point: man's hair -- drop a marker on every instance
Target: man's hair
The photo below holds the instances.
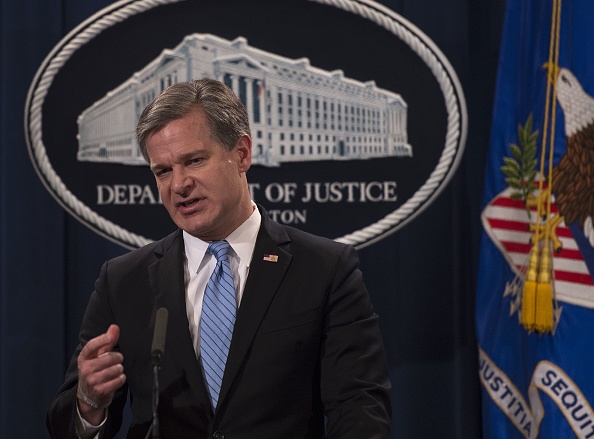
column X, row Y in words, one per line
column 226, row 116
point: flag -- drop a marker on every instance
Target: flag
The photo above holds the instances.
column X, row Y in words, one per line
column 271, row 258
column 261, row 88
column 535, row 294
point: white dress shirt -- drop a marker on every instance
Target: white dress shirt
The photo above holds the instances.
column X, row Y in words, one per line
column 199, row 265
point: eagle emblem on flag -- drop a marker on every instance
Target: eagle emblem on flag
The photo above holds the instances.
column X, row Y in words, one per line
column 543, row 223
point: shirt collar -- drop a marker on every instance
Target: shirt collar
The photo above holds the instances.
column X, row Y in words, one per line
column 242, row 241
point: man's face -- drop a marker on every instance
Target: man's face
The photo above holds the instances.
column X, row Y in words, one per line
column 202, row 185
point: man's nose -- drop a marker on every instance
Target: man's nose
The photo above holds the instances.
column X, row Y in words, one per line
column 181, row 182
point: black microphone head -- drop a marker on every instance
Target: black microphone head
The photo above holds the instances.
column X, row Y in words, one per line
column 158, row 346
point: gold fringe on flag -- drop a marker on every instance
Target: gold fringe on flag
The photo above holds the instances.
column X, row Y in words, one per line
column 543, row 318
column 528, row 312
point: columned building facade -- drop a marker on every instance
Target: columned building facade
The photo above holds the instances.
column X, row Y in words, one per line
column 297, row 112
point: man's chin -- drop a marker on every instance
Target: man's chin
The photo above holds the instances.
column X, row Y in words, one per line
column 198, row 230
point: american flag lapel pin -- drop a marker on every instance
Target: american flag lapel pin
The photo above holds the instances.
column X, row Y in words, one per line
column 271, row 258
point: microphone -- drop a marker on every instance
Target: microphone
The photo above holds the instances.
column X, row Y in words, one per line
column 157, row 349
column 158, row 346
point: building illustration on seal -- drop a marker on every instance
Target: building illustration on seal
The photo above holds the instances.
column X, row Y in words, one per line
column 297, row 112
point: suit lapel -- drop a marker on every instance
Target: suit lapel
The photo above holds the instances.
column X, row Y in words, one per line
column 167, row 280
column 262, row 283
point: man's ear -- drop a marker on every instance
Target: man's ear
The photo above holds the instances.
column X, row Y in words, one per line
column 244, row 150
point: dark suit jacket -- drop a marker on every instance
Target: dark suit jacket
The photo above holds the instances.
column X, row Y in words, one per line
column 306, row 358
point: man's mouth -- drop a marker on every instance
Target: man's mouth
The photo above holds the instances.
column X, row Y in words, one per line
column 189, row 203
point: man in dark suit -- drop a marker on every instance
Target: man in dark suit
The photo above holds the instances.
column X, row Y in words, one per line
column 305, row 359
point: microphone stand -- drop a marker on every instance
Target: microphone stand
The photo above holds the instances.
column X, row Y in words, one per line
column 154, row 430
column 155, row 426
column 157, row 349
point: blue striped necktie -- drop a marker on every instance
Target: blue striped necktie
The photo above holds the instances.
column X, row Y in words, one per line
column 218, row 317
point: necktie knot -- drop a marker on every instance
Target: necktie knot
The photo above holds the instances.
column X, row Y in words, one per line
column 220, row 250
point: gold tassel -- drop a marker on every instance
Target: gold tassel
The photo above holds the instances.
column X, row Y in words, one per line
column 528, row 313
column 544, row 294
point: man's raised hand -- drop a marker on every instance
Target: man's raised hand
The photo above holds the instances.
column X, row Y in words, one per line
column 100, row 375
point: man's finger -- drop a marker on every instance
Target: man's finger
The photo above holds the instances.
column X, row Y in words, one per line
column 113, row 333
column 104, row 375
column 101, row 344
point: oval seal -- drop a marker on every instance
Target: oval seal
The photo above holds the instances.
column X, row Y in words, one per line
column 358, row 119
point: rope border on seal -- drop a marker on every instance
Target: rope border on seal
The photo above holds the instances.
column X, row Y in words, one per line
column 456, row 121
column 384, row 17
column 73, row 41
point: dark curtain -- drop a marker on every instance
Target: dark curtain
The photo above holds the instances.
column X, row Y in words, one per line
column 422, row 278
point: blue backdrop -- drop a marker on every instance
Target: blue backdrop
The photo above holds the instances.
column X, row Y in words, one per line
column 422, row 279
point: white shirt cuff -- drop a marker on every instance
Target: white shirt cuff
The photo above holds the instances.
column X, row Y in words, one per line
column 85, row 430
